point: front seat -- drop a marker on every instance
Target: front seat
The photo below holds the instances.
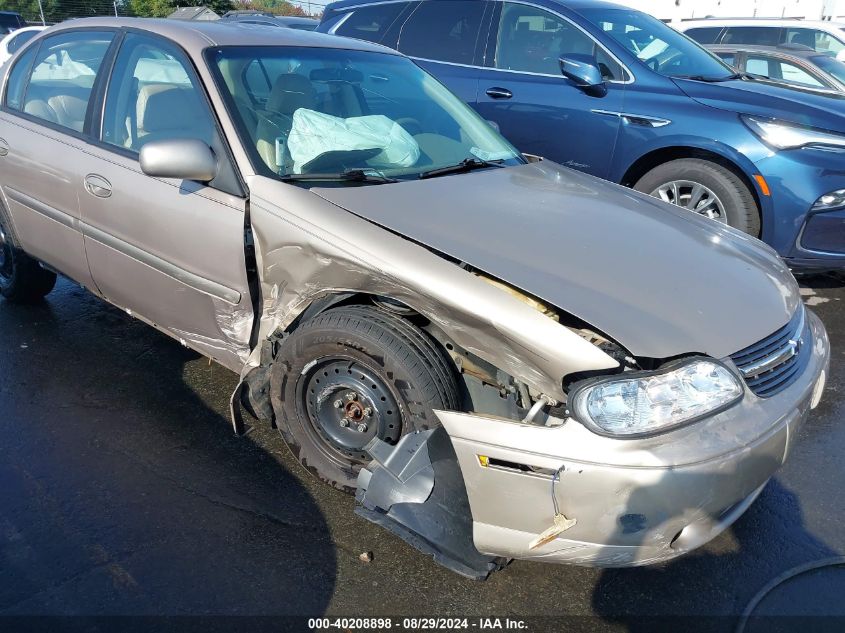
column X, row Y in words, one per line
column 166, row 111
column 290, row 92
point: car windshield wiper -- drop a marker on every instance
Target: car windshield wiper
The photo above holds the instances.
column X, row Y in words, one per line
column 350, row 175
column 467, row 164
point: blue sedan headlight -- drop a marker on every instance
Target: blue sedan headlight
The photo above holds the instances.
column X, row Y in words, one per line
column 786, row 135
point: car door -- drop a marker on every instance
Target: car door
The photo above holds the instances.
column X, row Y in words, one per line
column 445, row 39
column 42, row 135
column 170, row 251
column 536, row 108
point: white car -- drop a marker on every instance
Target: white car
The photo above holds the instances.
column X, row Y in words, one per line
column 14, row 40
column 822, row 37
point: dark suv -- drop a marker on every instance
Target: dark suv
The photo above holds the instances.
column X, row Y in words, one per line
column 11, row 21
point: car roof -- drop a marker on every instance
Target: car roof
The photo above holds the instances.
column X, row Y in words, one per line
column 773, row 22
column 570, row 4
column 196, row 36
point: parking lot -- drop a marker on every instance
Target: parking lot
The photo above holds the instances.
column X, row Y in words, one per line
column 124, row 491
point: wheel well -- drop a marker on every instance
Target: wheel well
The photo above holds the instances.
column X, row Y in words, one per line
column 658, row 157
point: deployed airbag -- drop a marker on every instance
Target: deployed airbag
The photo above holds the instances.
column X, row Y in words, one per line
column 314, row 133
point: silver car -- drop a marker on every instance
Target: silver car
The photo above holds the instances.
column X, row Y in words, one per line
column 501, row 357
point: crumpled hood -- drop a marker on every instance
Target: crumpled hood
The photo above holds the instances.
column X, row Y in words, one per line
column 659, row 280
column 765, row 99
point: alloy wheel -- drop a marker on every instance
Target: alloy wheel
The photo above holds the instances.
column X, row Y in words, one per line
column 692, row 196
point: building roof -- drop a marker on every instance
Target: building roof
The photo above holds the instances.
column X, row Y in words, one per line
column 192, row 13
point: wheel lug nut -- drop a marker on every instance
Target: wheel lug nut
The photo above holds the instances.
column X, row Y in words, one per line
column 344, row 423
column 368, row 411
column 338, row 404
column 362, row 428
column 351, row 396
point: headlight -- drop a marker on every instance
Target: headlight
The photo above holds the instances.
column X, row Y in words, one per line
column 643, row 403
column 830, row 201
column 785, row 135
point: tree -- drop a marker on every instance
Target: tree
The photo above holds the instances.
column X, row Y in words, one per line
column 276, row 7
column 151, row 8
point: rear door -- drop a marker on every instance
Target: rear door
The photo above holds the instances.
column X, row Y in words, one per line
column 447, row 39
column 171, row 251
column 42, row 137
column 536, row 108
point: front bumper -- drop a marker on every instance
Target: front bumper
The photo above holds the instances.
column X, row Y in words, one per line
column 635, row 501
column 806, row 240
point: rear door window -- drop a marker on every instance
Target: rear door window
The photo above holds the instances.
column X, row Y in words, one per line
column 705, row 35
column 443, row 31
column 756, row 35
column 782, row 71
column 371, row 22
column 63, row 73
column 819, row 41
column 728, row 58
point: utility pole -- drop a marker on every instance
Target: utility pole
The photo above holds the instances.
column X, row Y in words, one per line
column 41, row 11
column 115, row 7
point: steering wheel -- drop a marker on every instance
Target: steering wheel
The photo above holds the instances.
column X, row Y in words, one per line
column 411, row 125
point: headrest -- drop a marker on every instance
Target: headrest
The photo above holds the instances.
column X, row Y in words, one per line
column 166, row 107
column 291, row 92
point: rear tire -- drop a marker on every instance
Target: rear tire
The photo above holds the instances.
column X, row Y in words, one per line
column 22, row 279
column 351, row 374
column 725, row 190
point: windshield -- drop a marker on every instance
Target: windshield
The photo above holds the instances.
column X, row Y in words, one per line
column 830, row 65
column 658, row 46
column 330, row 111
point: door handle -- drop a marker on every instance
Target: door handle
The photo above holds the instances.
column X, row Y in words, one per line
column 499, row 93
column 97, row 186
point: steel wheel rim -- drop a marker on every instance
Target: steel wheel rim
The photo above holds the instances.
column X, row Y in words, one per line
column 338, row 389
column 694, row 197
column 6, row 262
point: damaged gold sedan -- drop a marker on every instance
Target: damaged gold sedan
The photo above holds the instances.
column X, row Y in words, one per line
column 501, row 357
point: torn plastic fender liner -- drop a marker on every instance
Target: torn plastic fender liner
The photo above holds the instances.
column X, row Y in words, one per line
column 416, row 491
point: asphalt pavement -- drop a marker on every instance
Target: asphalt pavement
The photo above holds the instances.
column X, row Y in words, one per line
column 123, row 491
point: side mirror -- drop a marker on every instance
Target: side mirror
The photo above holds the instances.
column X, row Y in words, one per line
column 182, row 158
column 584, row 72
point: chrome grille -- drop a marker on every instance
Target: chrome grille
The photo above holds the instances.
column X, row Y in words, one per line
column 775, row 362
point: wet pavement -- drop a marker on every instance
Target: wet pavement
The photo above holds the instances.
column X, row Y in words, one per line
column 124, row 491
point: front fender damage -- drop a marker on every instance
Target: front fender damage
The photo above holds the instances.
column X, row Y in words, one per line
column 320, row 250
column 307, row 249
